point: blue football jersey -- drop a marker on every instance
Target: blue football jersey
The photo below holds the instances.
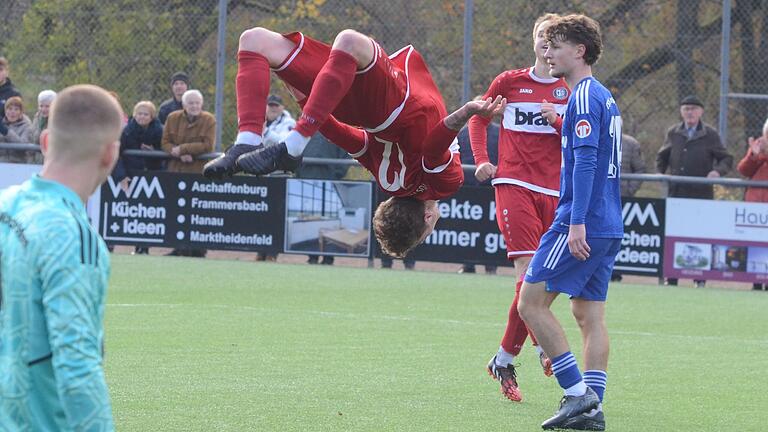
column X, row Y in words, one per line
column 592, row 119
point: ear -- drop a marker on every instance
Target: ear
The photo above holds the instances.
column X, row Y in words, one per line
column 109, row 155
column 44, row 142
column 581, row 50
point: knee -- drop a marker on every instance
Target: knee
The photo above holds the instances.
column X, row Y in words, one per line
column 525, row 309
column 253, row 39
column 352, row 42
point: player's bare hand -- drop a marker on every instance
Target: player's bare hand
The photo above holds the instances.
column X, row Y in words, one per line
column 187, row 158
column 487, row 108
column 577, row 242
column 485, row 171
column 175, row 151
column 713, row 174
column 548, row 112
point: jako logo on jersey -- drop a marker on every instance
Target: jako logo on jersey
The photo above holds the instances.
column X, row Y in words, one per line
column 583, row 129
column 526, row 91
column 137, row 187
column 609, row 102
column 560, row 93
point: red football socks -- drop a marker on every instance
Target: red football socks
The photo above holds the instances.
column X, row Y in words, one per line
column 252, row 88
column 516, row 332
column 330, row 86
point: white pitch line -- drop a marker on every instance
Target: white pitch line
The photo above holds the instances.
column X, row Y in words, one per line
column 356, row 316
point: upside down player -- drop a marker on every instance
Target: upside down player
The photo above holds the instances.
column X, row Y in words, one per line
column 526, row 181
column 405, row 137
column 576, row 256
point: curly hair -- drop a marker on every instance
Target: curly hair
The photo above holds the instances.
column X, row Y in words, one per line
column 580, row 30
column 399, row 225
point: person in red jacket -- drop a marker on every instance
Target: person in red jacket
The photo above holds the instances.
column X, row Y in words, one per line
column 754, row 166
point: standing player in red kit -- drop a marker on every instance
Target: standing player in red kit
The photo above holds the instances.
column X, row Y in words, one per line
column 526, row 181
column 385, row 111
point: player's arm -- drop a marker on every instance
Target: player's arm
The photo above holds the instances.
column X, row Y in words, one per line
column 549, row 113
column 436, row 149
column 71, row 305
column 478, row 125
column 353, row 140
column 585, row 147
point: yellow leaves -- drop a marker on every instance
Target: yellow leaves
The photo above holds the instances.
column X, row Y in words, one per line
column 308, row 8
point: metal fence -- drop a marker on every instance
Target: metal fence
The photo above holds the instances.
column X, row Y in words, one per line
column 656, row 51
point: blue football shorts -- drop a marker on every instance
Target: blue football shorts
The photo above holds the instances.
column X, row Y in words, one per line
column 553, row 263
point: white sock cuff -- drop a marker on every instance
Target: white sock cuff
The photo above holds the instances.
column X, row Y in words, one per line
column 248, row 138
column 295, row 143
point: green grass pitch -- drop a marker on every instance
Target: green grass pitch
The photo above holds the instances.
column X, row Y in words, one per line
column 204, row 345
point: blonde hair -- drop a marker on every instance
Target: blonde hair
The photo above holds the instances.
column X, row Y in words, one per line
column 83, row 119
column 541, row 19
column 148, row 105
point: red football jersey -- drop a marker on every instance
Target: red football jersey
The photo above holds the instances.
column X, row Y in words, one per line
column 529, row 147
column 412, row 153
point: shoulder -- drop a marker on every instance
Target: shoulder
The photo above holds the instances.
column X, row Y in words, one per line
column 166, row 103
column 510, row 76
column 174, row 117
column 208, row 117
column 709, row 129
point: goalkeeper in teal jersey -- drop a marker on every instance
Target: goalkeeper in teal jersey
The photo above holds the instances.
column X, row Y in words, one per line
column 53, row 275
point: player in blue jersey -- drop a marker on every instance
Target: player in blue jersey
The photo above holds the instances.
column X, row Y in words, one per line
column 53, row 275
column 575, row 257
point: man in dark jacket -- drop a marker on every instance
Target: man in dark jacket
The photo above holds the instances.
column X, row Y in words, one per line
column 7, row 89
column 179, row 85
column 693, row 148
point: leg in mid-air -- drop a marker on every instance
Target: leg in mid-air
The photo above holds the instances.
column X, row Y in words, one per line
column 260, row 50
column 351, row 52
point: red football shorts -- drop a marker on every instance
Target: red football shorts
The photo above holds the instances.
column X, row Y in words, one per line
column 523, row 217
column 376, row 91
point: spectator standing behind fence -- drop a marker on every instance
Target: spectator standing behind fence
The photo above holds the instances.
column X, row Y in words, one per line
column 143, row 132
column 278, row 123
column 631, row 162
column 320, row 147
column 754, row 166
column 465, row 151
column 179, row 85
column 188, row 134
column 16, row 128
column 40, row 120
column 692, row 148
column 7, row 89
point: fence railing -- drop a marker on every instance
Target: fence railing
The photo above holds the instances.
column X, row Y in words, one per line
column 659, row 178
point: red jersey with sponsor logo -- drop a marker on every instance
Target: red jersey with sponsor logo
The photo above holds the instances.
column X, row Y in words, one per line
column 412, row 153
column 529, row 147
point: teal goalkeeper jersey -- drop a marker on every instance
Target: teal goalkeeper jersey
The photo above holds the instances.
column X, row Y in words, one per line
column 53, row 277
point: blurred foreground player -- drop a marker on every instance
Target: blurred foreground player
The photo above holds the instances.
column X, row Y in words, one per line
column 576, row 255
column 385, row 111
column 53, row 274
column 526, row 182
